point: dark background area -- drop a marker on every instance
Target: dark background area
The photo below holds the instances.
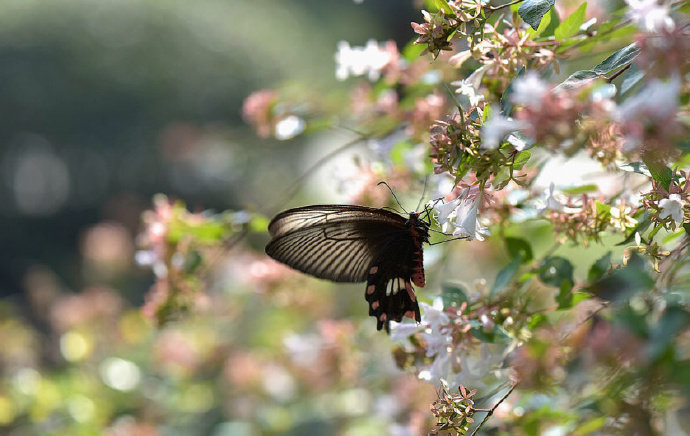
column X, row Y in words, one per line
column 105, row 104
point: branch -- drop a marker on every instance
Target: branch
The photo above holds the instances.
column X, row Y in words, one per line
column 497, row 8
column 490, row 412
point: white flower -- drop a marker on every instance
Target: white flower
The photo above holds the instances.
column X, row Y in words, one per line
column 658, row 101
column 466, row 221
column 466, row 88
column 403, row 330
column 650, row 16
column 459, row 58
column 621, row 219
column 434, row 315
column 551, row 202
column 358, row 61
column 673, row 207
column 289, row 127
column 528, row 90
column 445, row 212
column 496, row 128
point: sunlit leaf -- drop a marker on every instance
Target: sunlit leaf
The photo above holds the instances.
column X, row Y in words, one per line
column 532, row 11
column 571, row 25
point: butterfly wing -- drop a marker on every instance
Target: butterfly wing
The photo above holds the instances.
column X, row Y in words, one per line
column 333, row 242
column 389, row 289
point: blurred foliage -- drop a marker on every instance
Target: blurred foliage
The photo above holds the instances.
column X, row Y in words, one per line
column 107, row 104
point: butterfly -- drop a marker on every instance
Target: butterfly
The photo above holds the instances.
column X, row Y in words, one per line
column 345, row 243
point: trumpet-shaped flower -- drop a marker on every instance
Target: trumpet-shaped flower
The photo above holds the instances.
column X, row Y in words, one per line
column 672, row 207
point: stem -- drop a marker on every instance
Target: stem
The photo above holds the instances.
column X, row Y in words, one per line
column 490, row 412
column 618, row 73
column 497, row 8
column 292, row 188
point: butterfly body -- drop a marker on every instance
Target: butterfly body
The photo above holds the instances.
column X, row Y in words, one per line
column 345, row 243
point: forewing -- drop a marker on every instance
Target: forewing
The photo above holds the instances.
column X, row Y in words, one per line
column 324, row 215
column 336, row 243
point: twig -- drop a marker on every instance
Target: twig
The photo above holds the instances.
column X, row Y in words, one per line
column 490, row 412
column 496, row 8
column 618, row 73
column 290, row 191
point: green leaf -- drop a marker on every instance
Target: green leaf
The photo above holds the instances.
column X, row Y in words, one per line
column 556, row 269
column 496, row 335
column 660, row 172
column 412, row 51
column 618, row 59
column 664, row 332
column 554, row 22
column 599, row 268
column 505, row 275
column 506, row 104
column 398, row 152
column 577, row 79
column 532, row 11
column 518, row 247
column 545, row 24
column 621, row 284
column 590, row 426
column 581, row 189
column 631, row 78
column 258, row 224
column 453, row 295
column 565, row 294
column 636, row 167
column 580, row 296
column 571, row 25
column 536, row 320
column 602, row 209
column 642, row 225
column 193, row 261
column 632, row 320
column 443, row 5
column 521, row 159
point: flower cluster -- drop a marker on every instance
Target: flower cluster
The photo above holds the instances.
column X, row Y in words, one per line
column 176, row 245
column 454, row 412
column 262, row 111
column 444, row 345
column 669, row 207
column 619, row 129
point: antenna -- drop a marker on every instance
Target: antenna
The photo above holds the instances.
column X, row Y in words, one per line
column 394, row 196
column 426, row 181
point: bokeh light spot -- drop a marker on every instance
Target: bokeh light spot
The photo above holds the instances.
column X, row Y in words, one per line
column 81, row 408
column 120, row 374
column 74, row 346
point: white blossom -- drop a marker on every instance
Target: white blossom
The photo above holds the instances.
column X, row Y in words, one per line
column 358, row 61
column 496, row 128
column 528, row 90
column 466, row 221
column 673, row 207
column 434, row 315
column 621, row 219
column 650, row 16
column 445, row 212
column 658, row 101
column 466, row 88
column 289, row 127
column 551, row 202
